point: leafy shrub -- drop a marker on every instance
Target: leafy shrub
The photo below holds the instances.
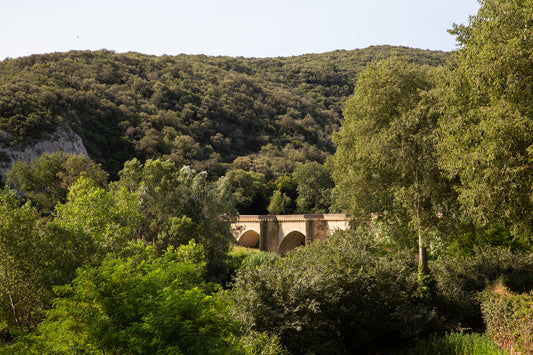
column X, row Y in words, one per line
column 469, row 236
column 335, row 296
column 509, row 318
column 242, row 257
column 261, row 258
column 256, row 343
column 461, row 279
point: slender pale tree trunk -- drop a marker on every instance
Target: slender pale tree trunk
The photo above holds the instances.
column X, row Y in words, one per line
column 422, row 256
column 422, row 251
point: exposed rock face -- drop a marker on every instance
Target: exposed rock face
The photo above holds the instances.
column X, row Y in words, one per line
column 63, row 139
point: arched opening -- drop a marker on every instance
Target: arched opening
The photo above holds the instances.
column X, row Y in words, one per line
column 249, row 239
column 292, row 240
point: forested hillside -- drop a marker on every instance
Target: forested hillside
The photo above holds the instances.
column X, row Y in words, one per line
column 196, row 110
column 430, row 162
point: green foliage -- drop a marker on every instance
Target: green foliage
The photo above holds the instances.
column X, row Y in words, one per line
column 24, row 292
column 242, row 257
column 236, row 257
column 385, row 161
column 255, row 260
column 468, row 236
column 256, row 343
column 109, row 218
column 314, row 185
column 509, row 319
column 306, row 190
column 279, row 203
column 460, row 280
column 37, row 255
column 283, row 199
column 179, row 205
column 47, row 179
column 335, row 296
column 249, row 190
column 456, row 344
column 486, row 131
column 140, row 305
column 385, row 157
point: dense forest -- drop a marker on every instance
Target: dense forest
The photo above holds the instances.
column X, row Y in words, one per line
column 130, row 251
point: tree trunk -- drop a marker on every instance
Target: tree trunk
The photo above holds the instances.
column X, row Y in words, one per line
column 422, row 257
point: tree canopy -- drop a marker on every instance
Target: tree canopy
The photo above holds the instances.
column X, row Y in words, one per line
column 487, row 132
column 385, row 164
column 130, row 307
column 179, row 205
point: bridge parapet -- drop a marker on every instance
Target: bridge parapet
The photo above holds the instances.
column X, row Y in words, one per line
column 281, row 233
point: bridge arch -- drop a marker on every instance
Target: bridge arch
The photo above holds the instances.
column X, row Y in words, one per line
column 249, row 239
column 292, row 240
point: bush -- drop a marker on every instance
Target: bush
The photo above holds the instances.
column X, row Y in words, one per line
column 258, row 259
column 255, row 343
column 509, row 318
column 335, row 296
column 461, row 279
column 470, row 235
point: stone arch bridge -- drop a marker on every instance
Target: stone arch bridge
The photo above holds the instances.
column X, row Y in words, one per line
column 281, row 233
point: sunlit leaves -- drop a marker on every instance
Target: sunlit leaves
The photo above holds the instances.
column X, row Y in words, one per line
column 144, row 304
column 487, row 130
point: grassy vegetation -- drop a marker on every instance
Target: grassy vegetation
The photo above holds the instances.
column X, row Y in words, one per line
column 455, row 344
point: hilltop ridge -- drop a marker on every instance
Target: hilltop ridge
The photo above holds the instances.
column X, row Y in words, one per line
column 193, row 109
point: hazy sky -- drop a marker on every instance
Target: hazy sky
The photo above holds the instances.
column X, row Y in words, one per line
column 249, row 28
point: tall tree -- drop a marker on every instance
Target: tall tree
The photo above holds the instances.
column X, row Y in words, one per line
column 385, row 162
column 179, row 205
column 283, row 200
column 249, row 190
column 487, row 130
column 314, row 185
column 108, row 219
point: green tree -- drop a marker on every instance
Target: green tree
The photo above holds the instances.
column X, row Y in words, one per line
column 314, row 185
column 141, row 305
column 23, row 293
column 487, row 132
column 385, row 162
column 249, row 189
column 47, row 179
column 279, row 203
column 283, row 200
column 109, row 219
column 179, row 205
column 38, row 254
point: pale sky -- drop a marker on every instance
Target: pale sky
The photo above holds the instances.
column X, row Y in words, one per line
column 249, row 28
